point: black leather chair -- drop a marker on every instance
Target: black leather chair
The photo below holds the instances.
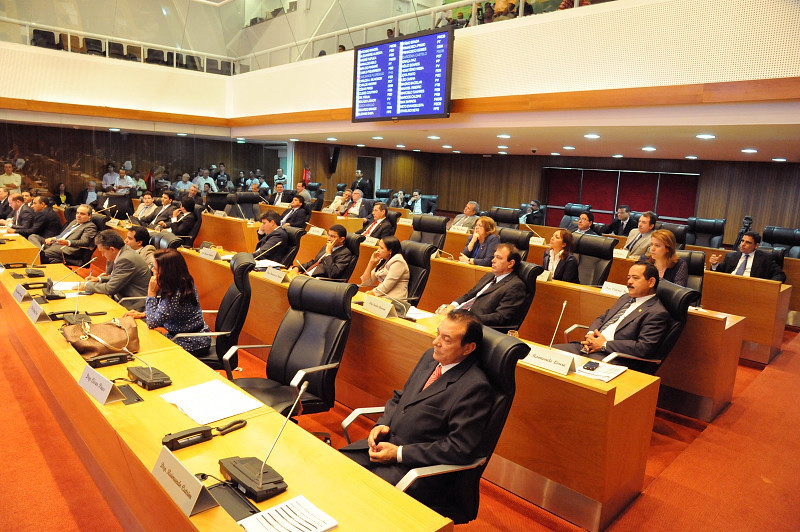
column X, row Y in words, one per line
column 429, row 229
column 120, row 206
column 505, row 217
column 165, row 240
column 571, row 213
column 782, row 237
column 188, row 240
column 79, row 259
column 295, row 234
column 777, row 255
column 319, row 200
column 497, row 356
column 94, row 46
column 308, row 346
column 313, row 188
column 706, row 232
column 45, row 39
column 521, row 239
column 340, row 187
column 155, row 56
column 434, row 199
column 678, row 230
column 116, row 50
column 353, row 242
column 595, row 255
column 528, row 272
column 243, row 205
column 217, row 200
column 230, row 316
column 696, row 260
column 384, row 195
column 418, row 258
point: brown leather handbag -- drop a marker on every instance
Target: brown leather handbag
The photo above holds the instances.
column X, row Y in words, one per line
column 118, row 335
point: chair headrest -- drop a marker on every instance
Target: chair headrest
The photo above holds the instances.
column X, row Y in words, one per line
column 241, row 264
column 248, row 197
column 353, row 242
column 528, row 272
column 696, row 260
column 575, row 209
column 496, row 353
column 417, row 253
column 168, row 240
column 707, row 225
column 515, row 236
column 781, row 235
column 295, row 233
column 504, row 215
column 676, row 299
column 322, row 297
column 313, row 187
column 230, row 199
column 596, row 246
column 392, row 216
column 429, row 223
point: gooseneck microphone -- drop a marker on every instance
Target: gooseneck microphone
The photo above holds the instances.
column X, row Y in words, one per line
column 563, row 306
column 267, row 250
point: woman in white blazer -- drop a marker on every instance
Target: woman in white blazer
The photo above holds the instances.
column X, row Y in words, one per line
column 387, row 270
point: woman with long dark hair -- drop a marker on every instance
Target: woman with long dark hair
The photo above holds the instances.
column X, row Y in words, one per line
column 62, row 195
column 387, row 270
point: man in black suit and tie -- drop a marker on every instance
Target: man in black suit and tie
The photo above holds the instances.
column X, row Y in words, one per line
column 67, row 245
column 439, row 415
column 296, row 215
column 280, row 195
column 363, row 184
column 45, row 223
column 377, row 224
column 21, row 217
column 183, row 218
column 622, row 224
column 333, row 259
column 359, row 207
column 634, row 325
column 127, row 273
column 163, row 213
column 499, row 296
column 749, row 261
column 273, row 240
column 419, row 205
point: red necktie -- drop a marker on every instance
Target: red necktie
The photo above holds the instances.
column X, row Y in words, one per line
column 435, row 375
column 370, row 228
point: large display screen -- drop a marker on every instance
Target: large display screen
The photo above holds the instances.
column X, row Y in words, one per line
column 406, row 77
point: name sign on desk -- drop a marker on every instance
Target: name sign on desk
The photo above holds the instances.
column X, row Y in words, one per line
column 463, row 229
column 20, row 294
column 371, row 241
column 102, row 389
column 210, row 254
column 316, row 231
column 620, row 253
column 37, row 314
column 284, row 205
column 551, row 359
column 536, row 241
column 275, row 274
column 185, row 489
column 221, row 214
column 380, row 307
column 613, row 289
column 405, row 221
column 113, row 222
column 545, row 276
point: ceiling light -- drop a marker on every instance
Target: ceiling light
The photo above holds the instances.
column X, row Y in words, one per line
column 377, row 138
column 459, row 151
column 591, row 136
column 749, row 150
column 294, row 140
column 433, row 137
column 114, row 129
column 447, row 146
column 503, row 152
column 240, row 142
column 332, row 139
column 181, row 134
column 417, row 150
column 617, row 156
column 648, row 148
column 501, row 147
column 568, row 147
column 554, row 153
column 779, row 159
column 401, row 145
column 503, row 136
column 239, row 138
column 692, row 157
column 360, row 145
column 706, row 136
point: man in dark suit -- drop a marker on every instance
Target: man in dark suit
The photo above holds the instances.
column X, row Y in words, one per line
column 5, row 207
column 622, row 224
column 127, row 273
column 749, row 261
column 363, row 184
column 273, row 239
column 419, row 205
column 280, row 195
column 534, row 215
column 74, row 237
column 585, row 223
column 297, row 215
column 498, row 297
column 46, row 222
column 634, row 325
column 333, row 259
column 183, row 218
column 21, row 217
column 377, row 224
column 163, row 213
column 359, row 207
column 439, row 415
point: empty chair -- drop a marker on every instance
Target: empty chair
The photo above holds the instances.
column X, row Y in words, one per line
column 116, row 50
column 595, row 255
column 418, row 258
column 217, row 200
column 243, row 205
column 677, row 229
column 520, row 239
column 134, row 53
column 155, row 56
column 308, row 346
column 295, row 234
column 528, row 272
column 384, row 195
column 504, row 217
column 165, row 240
column 212, row 66
column 782, row 237
column 706, row 232
column 340, row 187
column 571, row 213
column 696, row 260
column 319, row 200
column 94, row 46
column 429, row 230
column 45, row 39
column 119, row 206
column 434, row 199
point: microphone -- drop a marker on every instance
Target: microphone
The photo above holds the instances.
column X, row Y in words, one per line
column 253, row 477
column 267, row 250
column 443, row 252
column 33, row 272
column 558, row 323
column 302, row 267
column 241, row 212
column 75, row 317
column 401, row 306
column 148, row 377
column 48, row 291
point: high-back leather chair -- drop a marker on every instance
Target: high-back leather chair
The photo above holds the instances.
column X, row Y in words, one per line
column 782, row 237
column 434, row 199
column 505, row 217
column 119, row 206
column 678, row 230
column 418, row 258
column 295, row 234
column 313, row 188
column 539, row 218
column 243, row 205
column 340, row 187
column 520, row 239
column 217, row 200
column 353, row 242
column 696, row 260
column 384, row 195
column 571, row 213
column 165, row 240
column 595, row 255
column 528, row 272
column 308, row 345
column 429, row 229
column 319, row 200
column 188, row 240
column 706, row 232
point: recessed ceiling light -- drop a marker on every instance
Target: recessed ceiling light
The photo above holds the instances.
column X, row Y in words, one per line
column 554, row 153
column 417, row 150
column 617, row 156
column 779, row 160
column 240, row 138
column 749, row 150
column 568, row 147
column 401, row 145
column 433, row 137
column 706, row 136
column 459, row 151
column 503, row 152
column 503, row 136
column 294, row 140
column 332, row 139
column 377, row 138
column 501, row 147
column 181, row 134
column 591, row 136
column 240, row 142
column 114, row 129
column 693, row 157
column 447, row 146
column 360, row 145
column 648, row 148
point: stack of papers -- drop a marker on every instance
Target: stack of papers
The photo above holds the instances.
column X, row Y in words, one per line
column 266, row 263
column 295, row 514
column 211, row 401
column 604, row 372
column 417, row 314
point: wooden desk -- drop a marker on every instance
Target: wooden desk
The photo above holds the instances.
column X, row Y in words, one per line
column 325, row 219
column 235, row 234
column 791, row 267
column 17, row 249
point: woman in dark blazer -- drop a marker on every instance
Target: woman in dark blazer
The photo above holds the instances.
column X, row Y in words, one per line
column 558, row 258
column 480, row 249
column 663, row 253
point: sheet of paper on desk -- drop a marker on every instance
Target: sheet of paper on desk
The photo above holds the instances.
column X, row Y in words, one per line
column 604, row 372
column 266, row 263
column 211, row 401
column 295, row 514
column 65, row 286
column 417, row 314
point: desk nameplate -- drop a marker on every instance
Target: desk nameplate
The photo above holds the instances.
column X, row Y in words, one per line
column 99, row 387
column 554, row 360
column 181, row 485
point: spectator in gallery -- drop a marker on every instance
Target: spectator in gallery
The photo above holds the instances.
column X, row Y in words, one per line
column 62, row 195
column 241, row 181
column 110, row 177
column 88, row 196
column 141, row 184
column 567, row 4
column 223, row 179
column 342, row 48
column 10, row 179
column 279, row 177
column 488, row 13
column 390, row 33
column 184, row 184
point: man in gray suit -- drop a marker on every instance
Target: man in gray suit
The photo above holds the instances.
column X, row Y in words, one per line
column 127, row 273
column 638, row 242
column 67, row 245
column 468, row 217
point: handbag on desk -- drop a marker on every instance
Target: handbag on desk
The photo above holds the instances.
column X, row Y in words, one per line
column 118, row 335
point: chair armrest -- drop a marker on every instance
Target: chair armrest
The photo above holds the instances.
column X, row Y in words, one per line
column 617, row 354
column 210, row 312
column 355, row 414
column 131, row 298
column 573, row 328
column 226, row 358
column 212, row 334
column 301, row 373
column 428, row 471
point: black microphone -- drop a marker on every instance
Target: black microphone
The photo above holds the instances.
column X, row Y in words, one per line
column 75, row 317
column 148, row 377
column 267, row 250
column 443, row 252
column 558, row 323
column 33, row 272
column 50, row 293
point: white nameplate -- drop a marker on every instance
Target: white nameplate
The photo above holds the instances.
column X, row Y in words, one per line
column 551, row 359
column 284, row 205
column 382, row 308
column 536, row 241
column 371, row 241
column 2, row 268
column 316, row 231
column 613, row 289
column 210, row 253
column 275, row 274
column 463, row 229
column 405, row 221
column 545, row 276
column 102, row 389
column 20, row 294
column 221, row 214
column 37, row 314
column 113, row 222
column 620, row 253
column 327, row 210
column 185, row 489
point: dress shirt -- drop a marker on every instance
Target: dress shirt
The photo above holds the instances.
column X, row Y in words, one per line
column 373, row 226
column 748, row 267
column 609, row 331
column 497, row 279
column 311, row 271
column 554, row 260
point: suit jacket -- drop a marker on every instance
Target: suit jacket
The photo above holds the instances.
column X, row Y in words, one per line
column 364, row 210
column 463, row 219
column 642, row 246
column 566, row 270
column 385, row 228
column 128, row 276
column 286, row 197
column 279, row 235
column 426, row 205
column 81, row 237
column 499, row 304
column 143, row 211
column 5, row 209
column 184, row 225
column 483, row 255
column 24, row 221
column 364, row 185
column 298, row 218
column 391, row 280
column 146, row 252
column 763, row 266
column 45, row 223
column 332, row 266
column 616, row 227
column 159, row 215
column 535, row 218
column 641, row 331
